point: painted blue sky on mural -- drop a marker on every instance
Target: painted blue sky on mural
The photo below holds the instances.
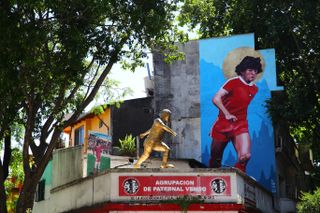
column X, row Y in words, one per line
column 212, row 54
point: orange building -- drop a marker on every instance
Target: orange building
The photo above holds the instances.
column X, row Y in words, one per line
column 132, row 117
column 79, row 131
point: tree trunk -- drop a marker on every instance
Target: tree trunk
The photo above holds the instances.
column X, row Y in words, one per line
column 26, row 198
column 4, row 170
column 3, row 197
column 7, row 154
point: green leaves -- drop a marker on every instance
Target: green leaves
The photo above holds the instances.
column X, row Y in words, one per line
column 128, row 145
column 16, row 165
column 51, row 48
column 309, row 202
column 98, row 109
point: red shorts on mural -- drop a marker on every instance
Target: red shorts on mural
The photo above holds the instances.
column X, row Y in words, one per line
column 224, row 130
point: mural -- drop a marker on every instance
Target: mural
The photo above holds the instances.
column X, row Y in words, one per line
column 213, row 75
column 99, row 147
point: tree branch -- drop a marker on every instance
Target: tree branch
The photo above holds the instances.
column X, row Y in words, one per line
column 31, row 114
column 105, row 72
column 49, row 121
column 92, row 80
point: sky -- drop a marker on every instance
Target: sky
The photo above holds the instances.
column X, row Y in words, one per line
column 134, row 80
column 126, row 78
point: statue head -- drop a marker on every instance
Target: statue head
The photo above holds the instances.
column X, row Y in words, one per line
column 165, row 115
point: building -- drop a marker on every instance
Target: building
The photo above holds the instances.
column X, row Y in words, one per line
column 188, row 187
column 178, row 87
column 294, row 165
column 132, row 117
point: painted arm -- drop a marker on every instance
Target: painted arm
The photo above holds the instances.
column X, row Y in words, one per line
column 217, row 100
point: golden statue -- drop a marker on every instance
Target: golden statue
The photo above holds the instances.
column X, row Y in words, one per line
column 154, row 140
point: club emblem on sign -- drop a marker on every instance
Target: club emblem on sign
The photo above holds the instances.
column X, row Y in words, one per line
column 131, row 186
column 218, row 185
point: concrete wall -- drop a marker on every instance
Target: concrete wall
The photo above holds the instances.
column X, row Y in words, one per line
column 132, row 117
column 67, row 165
column 95, row 190
column 254, row 195
column 287, row 205
column 177, row 88
column 84, row 192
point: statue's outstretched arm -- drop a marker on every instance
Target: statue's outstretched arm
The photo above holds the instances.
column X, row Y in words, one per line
column 166, row 128
column 142, row 135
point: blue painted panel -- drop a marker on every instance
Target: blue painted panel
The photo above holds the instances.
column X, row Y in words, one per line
column 212, row 54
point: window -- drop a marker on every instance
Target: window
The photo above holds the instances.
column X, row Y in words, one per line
column 79, row 136
column 100, row 123
column 40, row 190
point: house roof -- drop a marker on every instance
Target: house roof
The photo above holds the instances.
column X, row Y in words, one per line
column 82, row 116
column 91, row 114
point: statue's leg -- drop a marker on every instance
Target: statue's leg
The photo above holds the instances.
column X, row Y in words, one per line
column 162, row 147
column 146, row 153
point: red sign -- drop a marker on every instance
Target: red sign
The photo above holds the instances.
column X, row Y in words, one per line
column 174, row 185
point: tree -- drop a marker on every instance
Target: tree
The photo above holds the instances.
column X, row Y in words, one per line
column 54, row 57
column 292, row 28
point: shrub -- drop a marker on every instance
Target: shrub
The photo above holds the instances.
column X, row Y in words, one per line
column 127, row 146
column 310, row 202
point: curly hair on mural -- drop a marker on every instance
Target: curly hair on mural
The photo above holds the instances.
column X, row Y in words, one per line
column 249, row 62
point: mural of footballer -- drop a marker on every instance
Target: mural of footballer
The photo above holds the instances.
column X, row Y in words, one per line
column 232, row 100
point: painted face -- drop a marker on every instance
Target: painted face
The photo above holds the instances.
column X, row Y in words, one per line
column 249, row 75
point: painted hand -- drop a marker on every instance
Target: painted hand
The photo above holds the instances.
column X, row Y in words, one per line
column 231, row 117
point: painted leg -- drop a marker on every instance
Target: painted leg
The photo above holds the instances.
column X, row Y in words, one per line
column 98, row 166
column 242, row 145
column 217, row 148
column 95, row 171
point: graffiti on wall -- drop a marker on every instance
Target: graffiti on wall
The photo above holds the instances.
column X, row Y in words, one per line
column 99, row 147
